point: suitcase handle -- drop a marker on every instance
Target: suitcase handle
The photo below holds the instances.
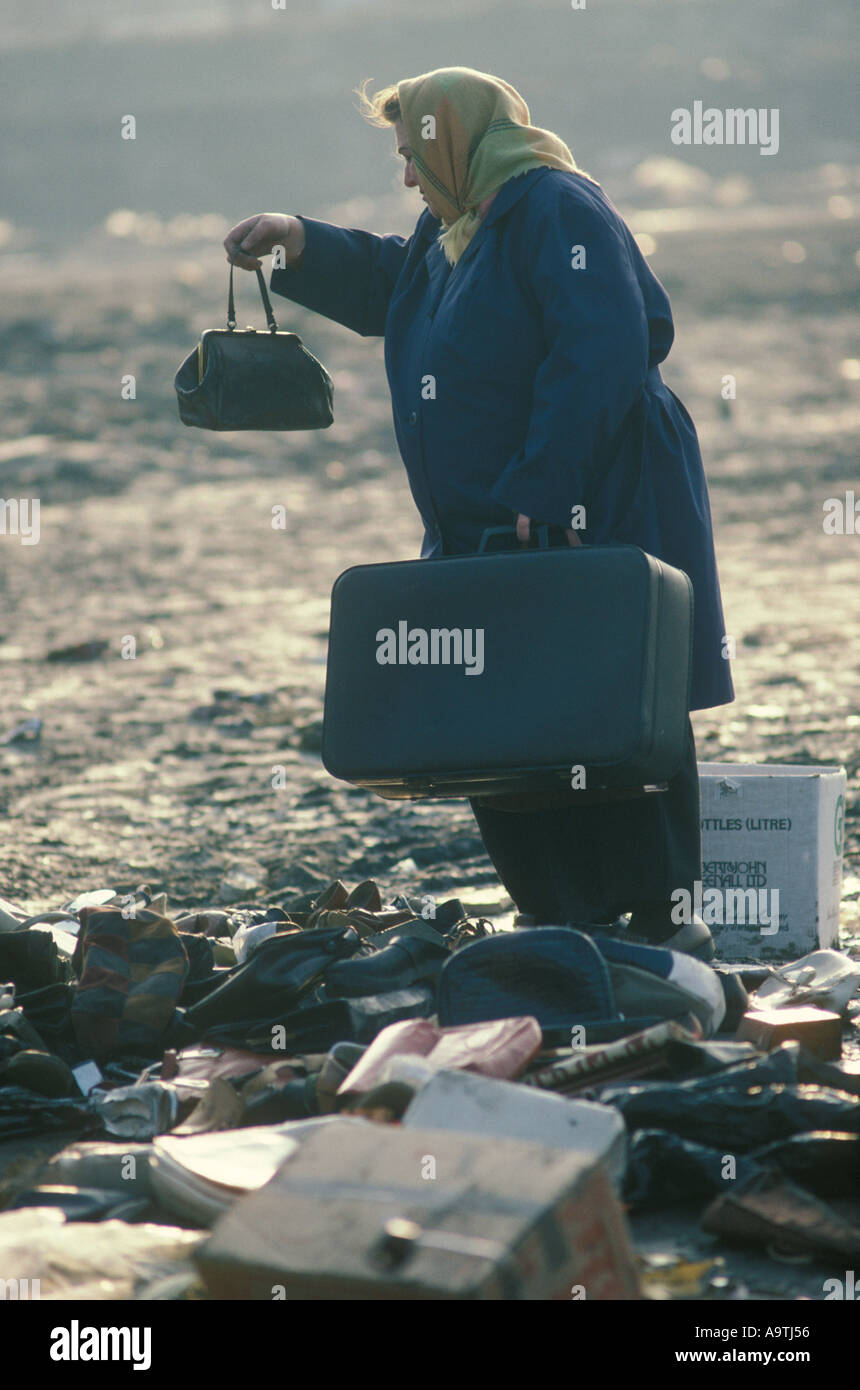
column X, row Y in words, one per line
column 540, row 532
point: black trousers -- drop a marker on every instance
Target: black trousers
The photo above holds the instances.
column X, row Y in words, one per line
column 590, row 863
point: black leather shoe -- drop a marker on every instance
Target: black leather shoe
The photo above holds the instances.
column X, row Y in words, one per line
column 279, row 973
column 407, row 961
column 30, row 959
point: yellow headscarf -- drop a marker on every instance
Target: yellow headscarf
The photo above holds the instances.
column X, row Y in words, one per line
column 469, row 133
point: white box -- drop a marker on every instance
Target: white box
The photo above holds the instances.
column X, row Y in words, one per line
column 775, row 827
column 472, row 1104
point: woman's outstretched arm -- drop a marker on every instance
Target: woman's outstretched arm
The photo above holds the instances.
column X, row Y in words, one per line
column 339, row 272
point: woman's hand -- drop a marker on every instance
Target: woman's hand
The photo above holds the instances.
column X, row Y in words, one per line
column 260, row 234
column 524, row 532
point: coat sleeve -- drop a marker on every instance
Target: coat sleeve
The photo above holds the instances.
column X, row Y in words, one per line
column 595, row 331
column 345, row 275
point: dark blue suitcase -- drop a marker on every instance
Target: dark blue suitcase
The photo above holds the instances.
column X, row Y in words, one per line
column 543, row 672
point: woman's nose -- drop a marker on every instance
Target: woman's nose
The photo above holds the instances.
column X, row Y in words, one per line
column 409, row 178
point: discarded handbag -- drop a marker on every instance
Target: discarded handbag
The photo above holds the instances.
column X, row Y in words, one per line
column 132, row 970
column 553, row 974
column 242, row 379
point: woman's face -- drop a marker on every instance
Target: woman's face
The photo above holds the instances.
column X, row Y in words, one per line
column 410, row 178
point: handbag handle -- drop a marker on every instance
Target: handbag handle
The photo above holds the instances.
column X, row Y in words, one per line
column 267, row 304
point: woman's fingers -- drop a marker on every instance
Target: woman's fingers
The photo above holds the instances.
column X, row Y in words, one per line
column 251, row 235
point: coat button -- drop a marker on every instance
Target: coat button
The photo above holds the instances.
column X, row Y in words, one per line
column 412, row 418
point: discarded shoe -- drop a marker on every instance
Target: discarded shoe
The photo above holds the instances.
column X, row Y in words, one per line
column 828, row 979
column 15, row 1024
column 365, row 895
column 82, row 1203
column 201, row 958
column 317, row 1027
column 407, row 961
column 120, row 1167
column 268, row 1100
column 198, row 1177
column 137, row 1112
column 30, row 959
column 771, row 1210
column 40, row 1072
column 220, row 1107
column 273, row 980
column 825, row 1163
column 651, row 980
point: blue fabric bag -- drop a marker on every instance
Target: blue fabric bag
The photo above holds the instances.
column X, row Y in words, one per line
column 555, row 974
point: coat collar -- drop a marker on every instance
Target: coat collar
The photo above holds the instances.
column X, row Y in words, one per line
column 509, row 194
column 439, row 271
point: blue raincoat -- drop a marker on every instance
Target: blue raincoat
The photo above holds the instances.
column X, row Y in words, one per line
column 525, row 379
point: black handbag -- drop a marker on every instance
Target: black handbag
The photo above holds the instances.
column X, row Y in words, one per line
column 242, row 379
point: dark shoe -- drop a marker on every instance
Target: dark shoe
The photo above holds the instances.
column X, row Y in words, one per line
column 48, row 1010
column 361, row 919
column 275, row 978
column 318, row 1027
column 656, row 929
column 691, row 938
column 334, row 896
column 31, row 960
column 268, row 1101
column 468, row 930
column 737, row 999
column 417, row 927
column 365, row 895
column 201, row 960
column 14, row 1024
column 82, row 1203
column 40, row 1072
column 407, row 961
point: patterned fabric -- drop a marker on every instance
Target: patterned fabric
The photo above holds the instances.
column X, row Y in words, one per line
column 482, row 138
column 131, row 972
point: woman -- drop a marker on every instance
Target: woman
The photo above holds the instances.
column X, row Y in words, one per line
column 523, row 332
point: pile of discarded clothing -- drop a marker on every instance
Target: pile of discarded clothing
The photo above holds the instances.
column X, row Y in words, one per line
column 344, row 1097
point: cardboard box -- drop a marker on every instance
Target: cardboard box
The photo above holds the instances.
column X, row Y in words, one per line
column 773, row 829
column 381, row 1212
column 817, row 1030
